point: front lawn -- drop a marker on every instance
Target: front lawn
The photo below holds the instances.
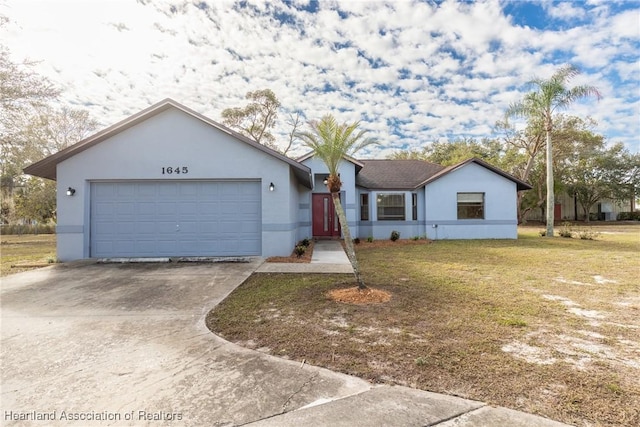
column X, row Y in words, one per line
column 25, row 252
column 547, row 326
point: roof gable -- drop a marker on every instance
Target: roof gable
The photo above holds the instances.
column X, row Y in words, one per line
column 46, row 168
column 521, row 185
column 358, row 164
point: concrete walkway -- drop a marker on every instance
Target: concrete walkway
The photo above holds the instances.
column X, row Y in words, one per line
column 328, row 257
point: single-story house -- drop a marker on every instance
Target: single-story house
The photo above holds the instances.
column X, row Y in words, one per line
column 169, row 181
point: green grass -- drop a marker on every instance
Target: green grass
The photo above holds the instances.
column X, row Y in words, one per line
column 26, row 249
column 548, row 326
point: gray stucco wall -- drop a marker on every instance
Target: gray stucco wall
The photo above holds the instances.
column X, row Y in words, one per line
column 500, row 221
column 173, row 138
column 381, row 229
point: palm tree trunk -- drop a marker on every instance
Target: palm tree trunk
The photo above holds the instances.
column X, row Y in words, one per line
column 550, row 196
column 351, row 252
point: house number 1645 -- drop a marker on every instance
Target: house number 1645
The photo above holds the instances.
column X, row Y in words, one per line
column 175, row 171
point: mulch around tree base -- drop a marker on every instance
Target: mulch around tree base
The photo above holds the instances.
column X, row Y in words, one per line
column 355, row 295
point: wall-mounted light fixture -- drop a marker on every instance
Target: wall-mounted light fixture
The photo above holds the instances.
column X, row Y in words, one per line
column 272, row 187
column 71, row 191
column 326, row 181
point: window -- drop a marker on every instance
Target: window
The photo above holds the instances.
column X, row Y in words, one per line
column 364, row 207
column 470, row 205
column 390, row 207
column 414, row 206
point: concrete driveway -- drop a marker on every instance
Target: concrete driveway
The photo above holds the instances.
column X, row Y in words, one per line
column 113, row 344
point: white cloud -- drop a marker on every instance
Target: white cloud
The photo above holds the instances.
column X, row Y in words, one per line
column 438, row 71
column 564, row 10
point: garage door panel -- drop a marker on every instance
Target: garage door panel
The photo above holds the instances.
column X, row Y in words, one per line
column 246, row 245
column 167, row 208
column 145, row 208
column 124, row 190
column 104, row 190
column 167, row 192
column 205, row 207
column 104, row 208
column 187, row 227
column 188, row 208
column 146, row 228
column 125, row 228
column 124, row 245
column 124, row 208
column 176, row 218
column 144, row 190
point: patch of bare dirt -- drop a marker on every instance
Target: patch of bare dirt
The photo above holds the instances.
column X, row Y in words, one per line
column 356, row 295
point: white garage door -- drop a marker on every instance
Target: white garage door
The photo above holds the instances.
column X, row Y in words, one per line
column 175, row 218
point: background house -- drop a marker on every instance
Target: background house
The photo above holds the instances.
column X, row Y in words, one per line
column 568, row 209
column 171, row 182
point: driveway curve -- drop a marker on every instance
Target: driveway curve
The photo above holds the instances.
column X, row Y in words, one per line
column 126, row 344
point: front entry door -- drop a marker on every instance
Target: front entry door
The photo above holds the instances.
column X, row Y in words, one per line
column 325, row 220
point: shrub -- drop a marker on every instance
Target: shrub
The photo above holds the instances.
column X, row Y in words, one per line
column 28, row 229
column 588, row 234
column 300, row 250
column 629, row 216
column 356, row 241
column 415, row 238
column 370, row 239
column 566, row 230
column 395, row 235
column 305, row 242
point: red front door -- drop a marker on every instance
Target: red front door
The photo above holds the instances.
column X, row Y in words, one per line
column 324, row 218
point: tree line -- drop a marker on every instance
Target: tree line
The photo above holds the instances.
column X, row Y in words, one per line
column 31, row 128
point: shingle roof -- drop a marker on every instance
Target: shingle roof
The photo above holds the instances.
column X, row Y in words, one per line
column 411, row 174
column 395, row 174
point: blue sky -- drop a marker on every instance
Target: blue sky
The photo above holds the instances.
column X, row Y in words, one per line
column 411, row 72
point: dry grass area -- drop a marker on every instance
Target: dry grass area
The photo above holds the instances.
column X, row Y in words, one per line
column 25, row 252
column 546, row 326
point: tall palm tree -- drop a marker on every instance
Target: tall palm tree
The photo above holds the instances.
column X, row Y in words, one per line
column 331, row 142
column 550, row 96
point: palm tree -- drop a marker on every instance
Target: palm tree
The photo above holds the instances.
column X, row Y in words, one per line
column 331, row 142
column 550, row 96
